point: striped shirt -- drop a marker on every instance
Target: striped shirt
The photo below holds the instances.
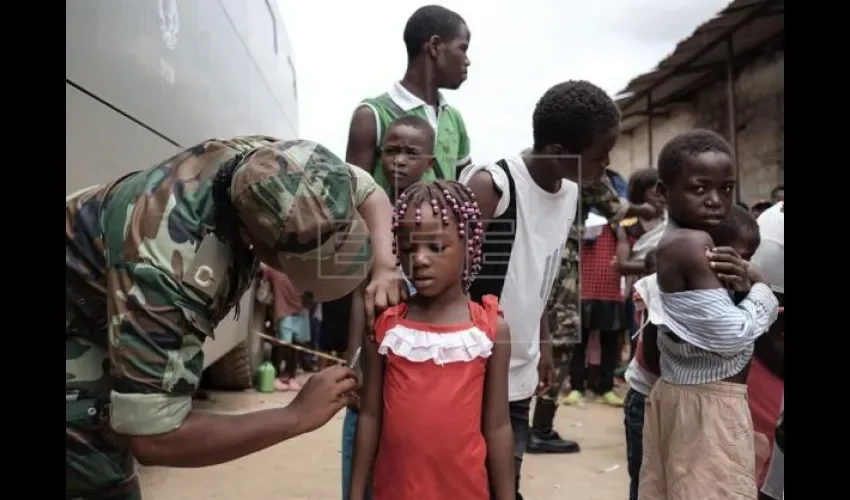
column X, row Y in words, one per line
column 716, row 337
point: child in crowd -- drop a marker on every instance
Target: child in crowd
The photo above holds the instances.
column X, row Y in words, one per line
column 765, row 385
column 286, row 303
column 643, row 234
column 603, row 311
column 407, row 153
column 434, row 421
column 767, row 391
column 740, row 232
column 698, row 432
column 575, row 125
column 292, row 329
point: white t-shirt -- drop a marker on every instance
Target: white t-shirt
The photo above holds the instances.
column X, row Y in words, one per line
column 542, row 226
column 639, row 378
column 769, row 257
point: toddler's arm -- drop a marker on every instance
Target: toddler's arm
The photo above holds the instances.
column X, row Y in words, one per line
column 497, row 421
column 386, row 288
column 625, row 264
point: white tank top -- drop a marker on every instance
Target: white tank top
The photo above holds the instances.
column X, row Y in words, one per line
column 542, row 226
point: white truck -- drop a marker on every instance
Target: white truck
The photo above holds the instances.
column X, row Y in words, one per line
column 146, row 78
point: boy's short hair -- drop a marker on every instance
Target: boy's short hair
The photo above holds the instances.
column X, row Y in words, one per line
column 426, row 22
column 639, row 182
column 419, row 124
column 739, row 220
column 688, row 144
column 573, row 114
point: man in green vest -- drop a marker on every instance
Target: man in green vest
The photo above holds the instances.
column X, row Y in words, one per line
column 436, row 40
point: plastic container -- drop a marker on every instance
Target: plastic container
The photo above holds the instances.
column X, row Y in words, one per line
column 265, row 377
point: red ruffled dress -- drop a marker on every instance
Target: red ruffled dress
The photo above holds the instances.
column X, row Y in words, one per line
column 431, row 445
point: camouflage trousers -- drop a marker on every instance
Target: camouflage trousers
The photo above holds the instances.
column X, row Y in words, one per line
column 562, row 309
column 563, row 316
column 561, row 357
column 98, row 462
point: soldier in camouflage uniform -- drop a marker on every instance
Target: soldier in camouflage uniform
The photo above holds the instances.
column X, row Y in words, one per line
column 563, row 314
column 156, row 259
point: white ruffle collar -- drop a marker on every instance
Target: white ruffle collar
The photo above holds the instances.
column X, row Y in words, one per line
column 419, row 346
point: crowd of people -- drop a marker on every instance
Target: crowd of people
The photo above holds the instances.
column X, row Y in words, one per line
column 483, row 291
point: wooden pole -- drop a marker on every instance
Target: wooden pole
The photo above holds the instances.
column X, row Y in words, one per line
column 320, row 354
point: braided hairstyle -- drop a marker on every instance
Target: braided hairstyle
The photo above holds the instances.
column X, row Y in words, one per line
column 448, row 199
column 227, row 226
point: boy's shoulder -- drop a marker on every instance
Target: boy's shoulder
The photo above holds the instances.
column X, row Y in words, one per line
column 382, row 98
column 490, row 180
column 683, row 244
column 486, row 172
column 681, row 261
column 383, row 106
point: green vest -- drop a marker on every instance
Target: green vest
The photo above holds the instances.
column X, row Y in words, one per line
column 452, row 141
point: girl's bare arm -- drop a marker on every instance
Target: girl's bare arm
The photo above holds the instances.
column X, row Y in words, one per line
column 369, row 422
column 497, row 420
column 625, row 264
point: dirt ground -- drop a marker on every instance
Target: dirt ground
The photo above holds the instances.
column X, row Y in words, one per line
column 308, row 467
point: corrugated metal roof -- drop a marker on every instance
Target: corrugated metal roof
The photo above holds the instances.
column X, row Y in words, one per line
column 752, row 25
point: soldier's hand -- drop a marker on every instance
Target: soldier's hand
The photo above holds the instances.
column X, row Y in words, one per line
column 324, row 394
column 386, row 288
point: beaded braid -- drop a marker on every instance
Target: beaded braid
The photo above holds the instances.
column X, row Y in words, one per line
column 446, row 197
column 227, row 226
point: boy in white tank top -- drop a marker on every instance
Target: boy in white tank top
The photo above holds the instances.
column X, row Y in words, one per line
column 531, row 202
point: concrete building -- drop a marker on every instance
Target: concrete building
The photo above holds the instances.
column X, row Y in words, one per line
column 728, row 76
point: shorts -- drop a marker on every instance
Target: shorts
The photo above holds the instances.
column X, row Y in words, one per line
column 698, row 443
column 295, row 328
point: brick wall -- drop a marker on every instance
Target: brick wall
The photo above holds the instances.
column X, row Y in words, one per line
column 759, row 94
column 632, row 150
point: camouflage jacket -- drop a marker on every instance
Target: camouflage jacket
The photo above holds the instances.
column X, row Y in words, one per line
column 563, row 307
column 127, row 245
column 601, row 196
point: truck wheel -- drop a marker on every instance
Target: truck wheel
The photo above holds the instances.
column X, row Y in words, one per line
column 234, row 371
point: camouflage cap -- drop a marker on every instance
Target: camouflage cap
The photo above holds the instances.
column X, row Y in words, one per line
column 296, row 199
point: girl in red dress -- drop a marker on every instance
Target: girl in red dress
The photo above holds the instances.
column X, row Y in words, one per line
column 434, row 421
